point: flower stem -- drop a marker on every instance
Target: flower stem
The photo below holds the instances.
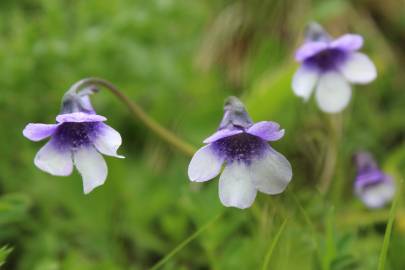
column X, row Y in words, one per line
column 138, row 113
column 335, row 132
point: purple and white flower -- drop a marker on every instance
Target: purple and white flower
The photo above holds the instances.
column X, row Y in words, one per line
column 330, row 66
column 251, row 165
column 78, row 138
column 372, row 186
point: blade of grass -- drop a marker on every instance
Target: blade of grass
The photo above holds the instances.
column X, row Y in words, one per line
column 273, row 245
column 185, row 242
column 388, row 230
column 307, row 219
column 303, row 213
column 330, row 248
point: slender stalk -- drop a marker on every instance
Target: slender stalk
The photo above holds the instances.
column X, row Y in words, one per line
column 388, row 230
column 185, row 242
column 273, row 246
column 335, row 132
column 330, row 244
column 138, row 113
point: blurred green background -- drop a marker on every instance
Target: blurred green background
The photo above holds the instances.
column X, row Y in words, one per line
column 179, row 59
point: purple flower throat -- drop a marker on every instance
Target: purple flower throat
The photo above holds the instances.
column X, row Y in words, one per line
column 75, row 135
column 242, row 147
column 326, row 60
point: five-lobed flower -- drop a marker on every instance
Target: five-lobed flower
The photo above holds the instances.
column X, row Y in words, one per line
column 251, row 165
column 372, row 186
column 331, row 66
column 78, row 138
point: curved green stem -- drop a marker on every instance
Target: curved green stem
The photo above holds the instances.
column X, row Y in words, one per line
column 138, row 113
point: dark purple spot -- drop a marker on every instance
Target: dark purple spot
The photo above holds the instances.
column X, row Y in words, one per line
column 241, row 148
column 326, row 60
column 74, row 135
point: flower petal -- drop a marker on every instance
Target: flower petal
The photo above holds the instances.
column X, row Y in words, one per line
column 304, row 81
column 358, row 68
column 220, row 134
column 108, row 141
column 235, row 186
column 347, row 42
column 91, row 166
column 204, row 165
column 36, row 132
column 310, row 49
column 54, row 160
column 377, row 196
column 79, row 117
column 333, row 92
column 272, row 173
column 267, row 130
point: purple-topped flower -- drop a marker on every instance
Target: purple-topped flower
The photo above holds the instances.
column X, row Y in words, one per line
column 330, row 66
column 78, row 138
column 372, row 186
column 251, row 165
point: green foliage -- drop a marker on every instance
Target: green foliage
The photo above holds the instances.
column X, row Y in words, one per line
column 179, row 60
column 4, row 252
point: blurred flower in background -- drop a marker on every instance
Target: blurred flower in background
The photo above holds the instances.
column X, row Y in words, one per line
column 372, row 186
column 78, row 138
column 251, row 164
column 331, row 65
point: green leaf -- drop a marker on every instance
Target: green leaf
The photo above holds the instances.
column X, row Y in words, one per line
column 4, row 252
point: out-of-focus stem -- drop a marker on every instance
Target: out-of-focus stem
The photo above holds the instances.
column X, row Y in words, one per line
column 138, row 113
column 179, row 247
column 335, row 133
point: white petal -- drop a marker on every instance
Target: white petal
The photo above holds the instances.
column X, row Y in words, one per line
column 91, row 166
column 204, row 165
column 333, row 92
column 54, row 160
column 377, row 196
column 304, row 81
column 272, row 173
column 358, row 69
column 235, row 186
column 108, row 141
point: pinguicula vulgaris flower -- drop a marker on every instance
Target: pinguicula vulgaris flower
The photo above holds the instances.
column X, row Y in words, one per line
column 78, row 138
column 330, row 66
column 372, row 186
column 251, row 165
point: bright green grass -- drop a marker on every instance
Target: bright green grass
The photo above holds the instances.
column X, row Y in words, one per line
column 179, row 60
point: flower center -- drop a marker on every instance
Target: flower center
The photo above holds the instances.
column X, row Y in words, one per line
column 326, row 60
column 241, row 148
column 74, row 135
